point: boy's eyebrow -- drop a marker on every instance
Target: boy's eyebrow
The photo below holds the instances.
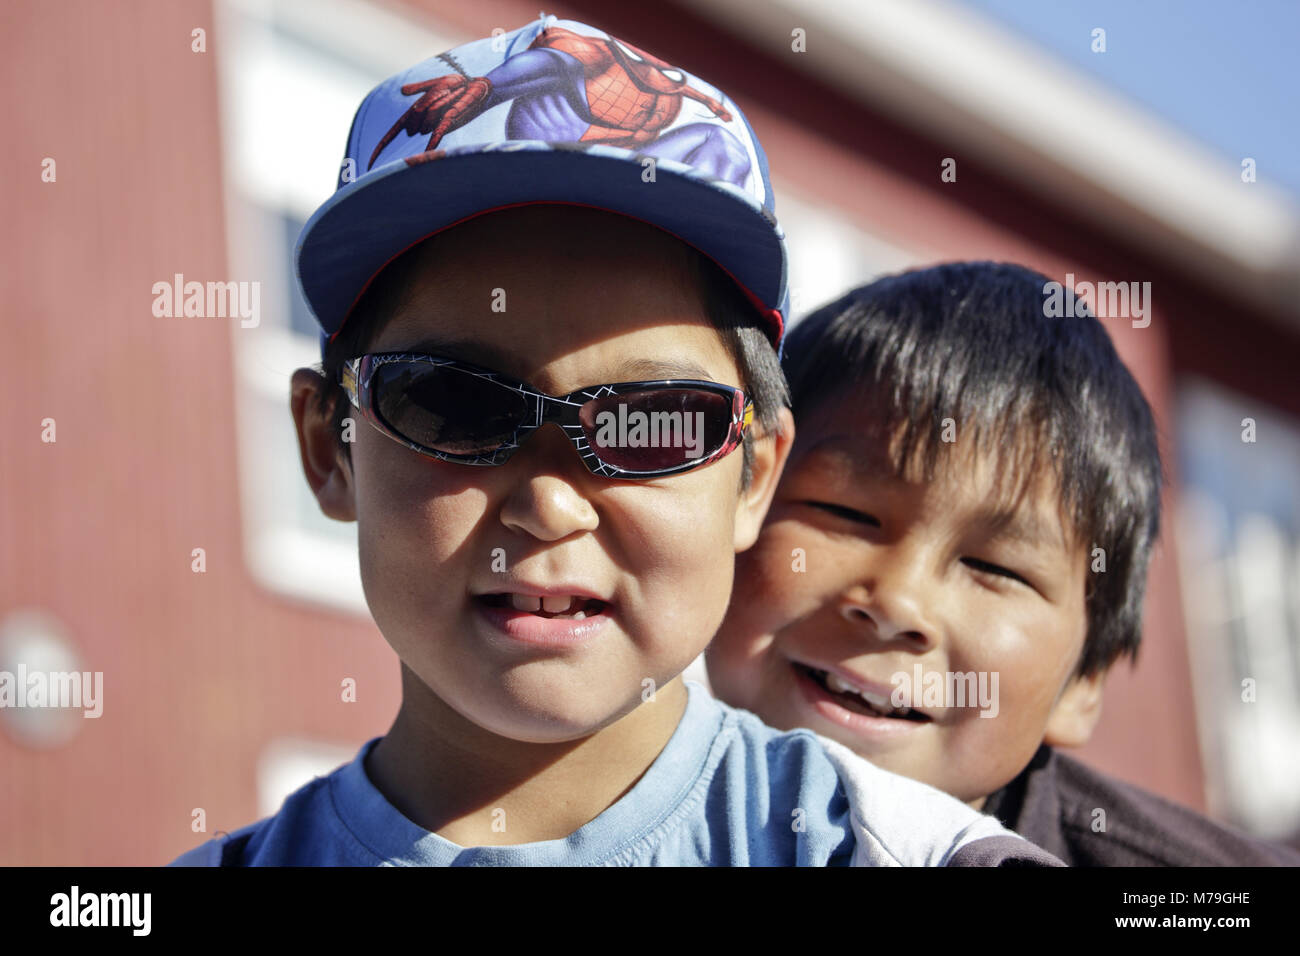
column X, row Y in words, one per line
column 481, row 353
column 648, row 369
column 1018, row 525
column 846, row 450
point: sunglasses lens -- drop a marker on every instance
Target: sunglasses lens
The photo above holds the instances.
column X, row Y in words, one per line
column 658, row 429
column 445, row 409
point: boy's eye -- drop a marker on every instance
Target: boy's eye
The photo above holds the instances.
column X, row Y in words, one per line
column 997, row 569
column 848, row 514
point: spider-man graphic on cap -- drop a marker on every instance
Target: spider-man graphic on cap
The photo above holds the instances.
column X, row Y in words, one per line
column 567, row 87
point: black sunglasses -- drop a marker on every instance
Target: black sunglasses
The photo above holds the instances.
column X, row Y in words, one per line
column 453, row 411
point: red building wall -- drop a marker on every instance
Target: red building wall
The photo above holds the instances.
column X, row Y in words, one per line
column 200, row 670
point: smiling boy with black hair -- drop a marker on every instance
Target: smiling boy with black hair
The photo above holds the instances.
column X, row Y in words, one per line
column 541, row 236
column 974, row 493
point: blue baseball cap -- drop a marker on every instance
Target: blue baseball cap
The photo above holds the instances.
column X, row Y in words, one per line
column 554, row 112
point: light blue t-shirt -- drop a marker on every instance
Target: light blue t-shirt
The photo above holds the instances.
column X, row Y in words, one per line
column 727, row 790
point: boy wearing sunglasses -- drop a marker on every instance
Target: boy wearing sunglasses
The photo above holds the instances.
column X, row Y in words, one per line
column 553, row 228
column 975, row 491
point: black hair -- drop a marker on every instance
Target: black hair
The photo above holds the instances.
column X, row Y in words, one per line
column 972, row 342
column 743, row 331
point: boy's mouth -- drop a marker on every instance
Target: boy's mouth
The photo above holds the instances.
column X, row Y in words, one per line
column 572, row 606
column 859, row 702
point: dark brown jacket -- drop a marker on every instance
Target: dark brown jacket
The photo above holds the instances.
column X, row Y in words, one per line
column 1053, row 803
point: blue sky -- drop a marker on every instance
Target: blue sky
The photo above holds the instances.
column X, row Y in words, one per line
column 1227, row 72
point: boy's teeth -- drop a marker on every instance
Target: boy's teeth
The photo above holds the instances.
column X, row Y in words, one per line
column 566, row 604
column 837, row 685
column 554, row 605
column 526, row 602
column 841, row 687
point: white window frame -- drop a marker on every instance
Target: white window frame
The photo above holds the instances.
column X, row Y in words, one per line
column 291, row 75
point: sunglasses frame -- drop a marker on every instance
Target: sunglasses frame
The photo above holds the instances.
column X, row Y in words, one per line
column 563, row 410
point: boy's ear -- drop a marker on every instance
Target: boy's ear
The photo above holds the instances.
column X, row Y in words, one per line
column 770, row 453
column 1076, row 712
column 324, row 466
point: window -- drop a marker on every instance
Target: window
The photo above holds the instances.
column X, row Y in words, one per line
column 1239, row 538
column 292, row 73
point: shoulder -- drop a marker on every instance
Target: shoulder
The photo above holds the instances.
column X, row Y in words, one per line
column 903, row 822
column 1139, row 828
column 801, row 778
column 779, row 760
column 226, row 849
column 305, row 831
column 768, row 797
column 776, row 749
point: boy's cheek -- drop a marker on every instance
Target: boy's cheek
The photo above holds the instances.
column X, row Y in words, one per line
column 764, row 599
column 756, row 610
column 783, row 578
column 984, row 754
column 774, row 559
column 420, row 533
column 414, row 555
column 392, row 479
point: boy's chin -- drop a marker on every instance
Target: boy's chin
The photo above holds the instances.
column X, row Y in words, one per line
column 556, row 717
column 941, row 777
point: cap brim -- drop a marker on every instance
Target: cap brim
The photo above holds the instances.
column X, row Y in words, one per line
column 367, row 224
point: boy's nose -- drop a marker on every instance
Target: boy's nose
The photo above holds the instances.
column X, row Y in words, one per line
column 889, row 607
column 546, row 498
